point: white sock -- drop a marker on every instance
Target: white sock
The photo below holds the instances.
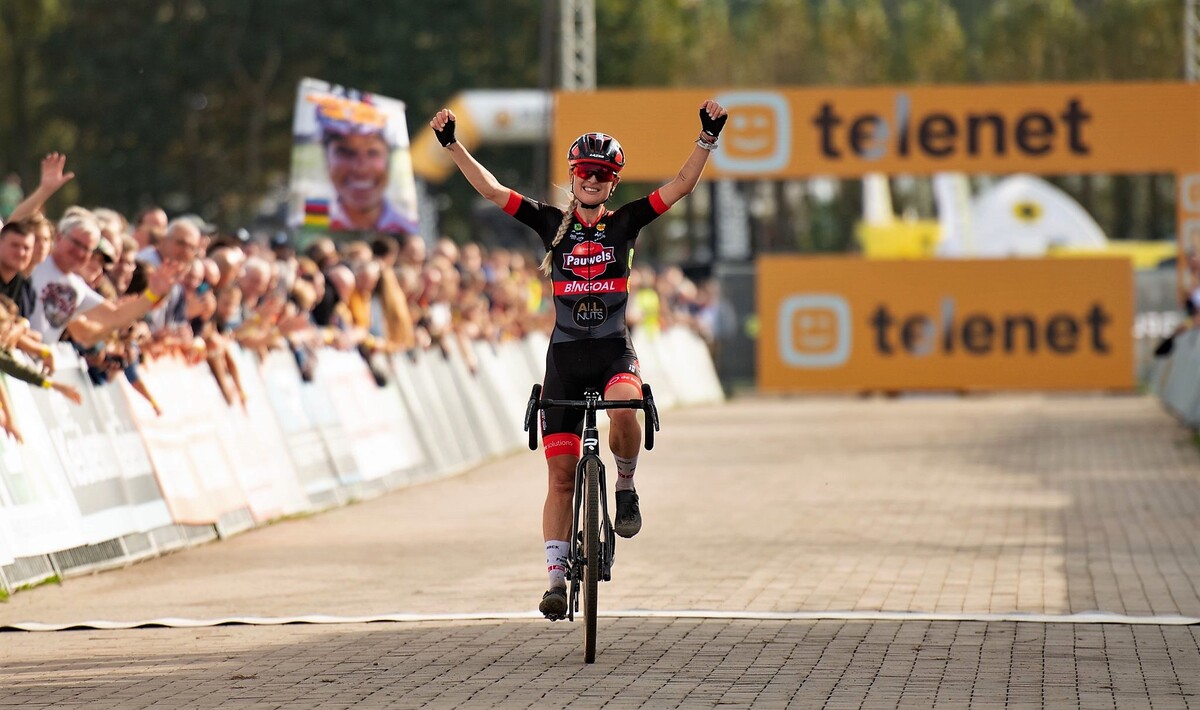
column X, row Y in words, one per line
column 625, row 469
column 556, row 558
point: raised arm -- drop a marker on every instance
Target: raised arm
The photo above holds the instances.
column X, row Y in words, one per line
column 712, row 120
column 53, row 178
column 480, row 178
column 95, row 324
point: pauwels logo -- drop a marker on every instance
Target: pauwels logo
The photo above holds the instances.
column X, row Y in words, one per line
column 588, row 259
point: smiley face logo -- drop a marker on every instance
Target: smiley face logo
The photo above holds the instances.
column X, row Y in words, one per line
column 752, row 133
column 758, row 137
column 814, row 330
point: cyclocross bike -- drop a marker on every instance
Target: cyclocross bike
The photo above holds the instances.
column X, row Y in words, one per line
column 593, row 543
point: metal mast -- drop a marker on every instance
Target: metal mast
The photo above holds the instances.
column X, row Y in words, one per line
column 1191, row 40
column 578, row 37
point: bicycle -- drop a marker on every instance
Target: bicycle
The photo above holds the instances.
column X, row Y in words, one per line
column 593, row 547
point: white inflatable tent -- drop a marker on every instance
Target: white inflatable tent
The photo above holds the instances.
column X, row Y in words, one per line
column 1023, row 215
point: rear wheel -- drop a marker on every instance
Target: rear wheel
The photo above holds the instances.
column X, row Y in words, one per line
column 591, row 554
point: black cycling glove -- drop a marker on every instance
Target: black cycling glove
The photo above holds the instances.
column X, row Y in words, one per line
column 446, row 135
column 712, row 127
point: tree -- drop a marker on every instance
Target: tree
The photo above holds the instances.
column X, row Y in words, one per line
column 1032, row 40
column 930, row 46
column 854, row 41
column 24, row 25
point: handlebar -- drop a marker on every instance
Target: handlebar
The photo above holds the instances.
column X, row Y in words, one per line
column 646, row 404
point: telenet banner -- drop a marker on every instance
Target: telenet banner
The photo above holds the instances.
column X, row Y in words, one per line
column 1031, row 324
column 1041, row 128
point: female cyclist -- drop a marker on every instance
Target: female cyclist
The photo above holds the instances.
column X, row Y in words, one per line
column 589, row 251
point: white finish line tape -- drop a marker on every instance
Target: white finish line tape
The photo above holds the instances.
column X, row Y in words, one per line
column 1089, row 617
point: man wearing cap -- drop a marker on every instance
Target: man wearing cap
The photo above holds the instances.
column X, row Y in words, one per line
column 94, row 269
column 66, row 303
column 180, row 243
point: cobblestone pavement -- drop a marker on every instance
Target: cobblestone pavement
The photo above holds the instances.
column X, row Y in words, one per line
column 964, row 506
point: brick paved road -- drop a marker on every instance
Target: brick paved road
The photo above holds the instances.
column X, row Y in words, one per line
column 965, row 506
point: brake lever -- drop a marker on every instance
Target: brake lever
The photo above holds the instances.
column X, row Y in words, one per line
column 652, row 424
column 531, row 410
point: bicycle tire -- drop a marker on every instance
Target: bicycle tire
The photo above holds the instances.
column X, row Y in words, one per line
column 591, row 552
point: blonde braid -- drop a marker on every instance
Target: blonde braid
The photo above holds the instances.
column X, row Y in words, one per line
column 562, row 232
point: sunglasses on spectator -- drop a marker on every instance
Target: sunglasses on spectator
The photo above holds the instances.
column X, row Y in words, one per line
column 583, row 172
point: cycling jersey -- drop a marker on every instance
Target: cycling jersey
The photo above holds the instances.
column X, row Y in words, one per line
column 590, row 266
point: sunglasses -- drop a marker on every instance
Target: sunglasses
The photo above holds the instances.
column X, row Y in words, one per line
column 583, row 172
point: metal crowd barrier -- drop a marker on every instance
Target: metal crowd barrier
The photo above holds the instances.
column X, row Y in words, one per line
column 109, row 483
column 1176, row 378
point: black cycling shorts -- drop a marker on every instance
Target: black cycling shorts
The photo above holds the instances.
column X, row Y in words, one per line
column 573, row 367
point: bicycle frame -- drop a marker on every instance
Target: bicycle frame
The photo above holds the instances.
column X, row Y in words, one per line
column 608, row 542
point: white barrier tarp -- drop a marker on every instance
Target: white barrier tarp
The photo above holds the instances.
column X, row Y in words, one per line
column 405, row 447
column 433, row 405
column 1181, row 389
column 212, row 461
column 193, row 471
column 507, row 392
column 371, row 416
column 449, row 395
column 693, row 377
column 146, row 504
column 656, row 372
column 425, row 425
column 479, row 411
column 260, row 472
column 263, row 446
column 41, row 512
column 88, row 457
column 6, row 545
column 314, row 467
column 318, row 400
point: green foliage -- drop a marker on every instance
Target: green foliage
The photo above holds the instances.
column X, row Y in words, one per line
column 1033, row 40
column 52, row 579
column 189, row 102
column 930, row 43
column 854, row 38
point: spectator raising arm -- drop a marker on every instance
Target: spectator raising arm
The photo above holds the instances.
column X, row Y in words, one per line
column 53, row 178
column 98, row 322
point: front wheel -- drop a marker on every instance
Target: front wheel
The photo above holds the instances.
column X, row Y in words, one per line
column 591, row 554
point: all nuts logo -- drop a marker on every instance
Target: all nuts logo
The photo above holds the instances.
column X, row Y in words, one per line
column 588, row 259
column 589, row 312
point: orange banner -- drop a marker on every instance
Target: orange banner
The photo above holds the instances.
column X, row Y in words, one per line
column 851, row 324
column 1041, row 128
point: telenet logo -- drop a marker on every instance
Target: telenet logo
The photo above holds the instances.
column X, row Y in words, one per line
column 941, row 134
column 814, row 330
column 759, row 135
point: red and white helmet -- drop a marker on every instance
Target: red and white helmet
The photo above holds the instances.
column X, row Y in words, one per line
column 598, row 149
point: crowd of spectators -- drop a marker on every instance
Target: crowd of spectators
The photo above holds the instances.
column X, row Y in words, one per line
column 125, row 294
